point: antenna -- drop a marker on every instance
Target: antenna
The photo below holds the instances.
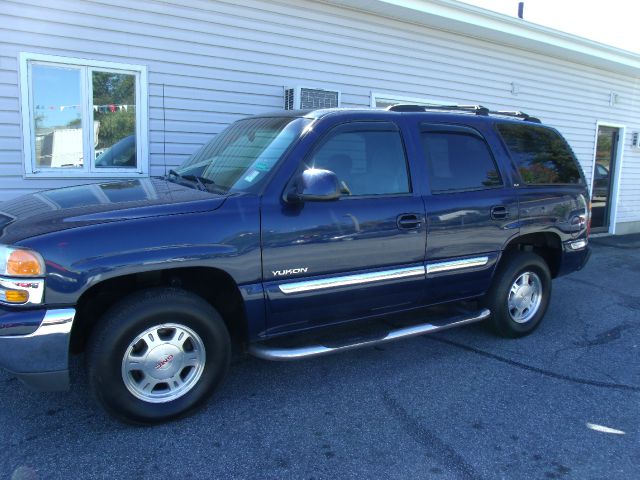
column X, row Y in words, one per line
column 164, row 133
column 521, row 10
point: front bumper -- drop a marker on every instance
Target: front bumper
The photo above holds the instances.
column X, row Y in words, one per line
column 39, row 358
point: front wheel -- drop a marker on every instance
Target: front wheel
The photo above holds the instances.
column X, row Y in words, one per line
column 519, row 295
column 157, row 355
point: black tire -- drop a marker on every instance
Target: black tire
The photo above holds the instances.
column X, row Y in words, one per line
column 120, row 326
column 510, row 269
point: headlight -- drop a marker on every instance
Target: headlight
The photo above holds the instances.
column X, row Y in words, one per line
column 20, row 262
column 19, row 269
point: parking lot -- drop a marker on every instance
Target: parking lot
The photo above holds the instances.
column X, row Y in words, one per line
column 463, row 404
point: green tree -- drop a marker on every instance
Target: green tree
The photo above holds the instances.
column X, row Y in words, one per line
column 75, row 123
column 542, row 156
column 604, row 144
column 111, row 91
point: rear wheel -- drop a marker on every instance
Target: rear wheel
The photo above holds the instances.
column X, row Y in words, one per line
column 157, row 355
column 519, row 296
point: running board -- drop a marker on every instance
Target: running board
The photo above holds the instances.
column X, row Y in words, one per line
column 267, row 352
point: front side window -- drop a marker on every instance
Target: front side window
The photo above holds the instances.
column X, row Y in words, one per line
column 83, row 118
column 541, row 154
column 368, row 159
column 458, row 161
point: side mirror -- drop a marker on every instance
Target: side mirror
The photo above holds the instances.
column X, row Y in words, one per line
column 315, row 184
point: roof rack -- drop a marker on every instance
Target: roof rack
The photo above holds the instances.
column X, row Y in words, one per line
column 476, row 109
column 517, row 114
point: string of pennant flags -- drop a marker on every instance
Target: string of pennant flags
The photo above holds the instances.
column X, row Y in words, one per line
column 110, row 108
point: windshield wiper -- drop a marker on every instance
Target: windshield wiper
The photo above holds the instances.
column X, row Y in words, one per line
column 197, row 180
column 201, row 182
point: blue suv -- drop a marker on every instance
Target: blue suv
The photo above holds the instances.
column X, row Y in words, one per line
column 289, row 235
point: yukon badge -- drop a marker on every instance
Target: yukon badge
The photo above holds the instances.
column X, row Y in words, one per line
column 289, row 271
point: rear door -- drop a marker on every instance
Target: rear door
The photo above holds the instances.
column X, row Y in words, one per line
column 471, row 207
column 360, row 255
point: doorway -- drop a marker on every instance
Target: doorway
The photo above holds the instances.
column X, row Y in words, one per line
column 604, row 176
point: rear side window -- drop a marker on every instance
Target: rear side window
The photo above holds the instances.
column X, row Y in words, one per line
column 458, row 161
column 541, row 155
column 368, row 159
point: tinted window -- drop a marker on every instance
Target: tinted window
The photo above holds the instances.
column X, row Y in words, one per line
column 458, row 161
column 541, row 155
column 366, row 161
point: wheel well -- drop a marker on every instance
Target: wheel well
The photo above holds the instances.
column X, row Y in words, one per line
column 547, row 245
column 215, row 286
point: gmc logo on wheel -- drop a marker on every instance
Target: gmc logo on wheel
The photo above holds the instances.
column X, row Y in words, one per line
column 162, row 363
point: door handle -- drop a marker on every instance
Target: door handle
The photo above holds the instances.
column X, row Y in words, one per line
column 408, row 221
column 499, row 212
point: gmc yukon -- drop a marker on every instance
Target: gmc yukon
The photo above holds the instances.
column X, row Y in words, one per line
column 288, row 236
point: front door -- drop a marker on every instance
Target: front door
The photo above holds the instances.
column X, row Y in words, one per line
column 605, row 167
column 358, row 256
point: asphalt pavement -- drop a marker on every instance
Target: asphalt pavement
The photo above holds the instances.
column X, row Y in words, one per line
column 563, row 403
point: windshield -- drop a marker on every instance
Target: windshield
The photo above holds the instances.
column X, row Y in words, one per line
column 242, row 155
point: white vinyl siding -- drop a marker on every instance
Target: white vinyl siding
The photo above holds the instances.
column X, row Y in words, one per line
column 384, row 100
column 212, row 62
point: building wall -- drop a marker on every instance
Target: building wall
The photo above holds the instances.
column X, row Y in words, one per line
column 218, row 61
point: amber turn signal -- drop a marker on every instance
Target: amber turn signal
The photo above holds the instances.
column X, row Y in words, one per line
column 16, row 296
column 24, row 263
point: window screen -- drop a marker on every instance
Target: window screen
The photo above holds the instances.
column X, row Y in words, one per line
column 541, row 155
column 458, row 161
column 366, row 161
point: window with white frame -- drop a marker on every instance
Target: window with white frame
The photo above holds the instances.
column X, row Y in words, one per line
column 83, row 118
column 384, row 100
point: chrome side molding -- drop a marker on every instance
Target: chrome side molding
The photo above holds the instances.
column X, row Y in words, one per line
column 457, row 264
column 266, row 352
column 364, row 278
column 360, row 278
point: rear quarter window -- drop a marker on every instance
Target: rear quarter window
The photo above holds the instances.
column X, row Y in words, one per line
column 541, row 155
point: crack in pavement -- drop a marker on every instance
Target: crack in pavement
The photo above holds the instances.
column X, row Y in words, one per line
column 440, row 449
column 605, row 337
column 587, row 342
column 541, row 371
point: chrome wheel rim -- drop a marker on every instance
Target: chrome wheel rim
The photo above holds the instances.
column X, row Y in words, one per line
column 163, row 363
column 525, row 297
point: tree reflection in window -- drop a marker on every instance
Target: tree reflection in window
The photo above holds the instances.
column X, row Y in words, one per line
column 114, row 111
column 541, row 154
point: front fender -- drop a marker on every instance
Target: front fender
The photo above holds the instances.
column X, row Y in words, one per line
column 227, row 239
column 116, row 264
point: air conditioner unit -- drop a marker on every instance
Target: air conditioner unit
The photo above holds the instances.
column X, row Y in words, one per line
column 310, row 98
column 636, row 140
